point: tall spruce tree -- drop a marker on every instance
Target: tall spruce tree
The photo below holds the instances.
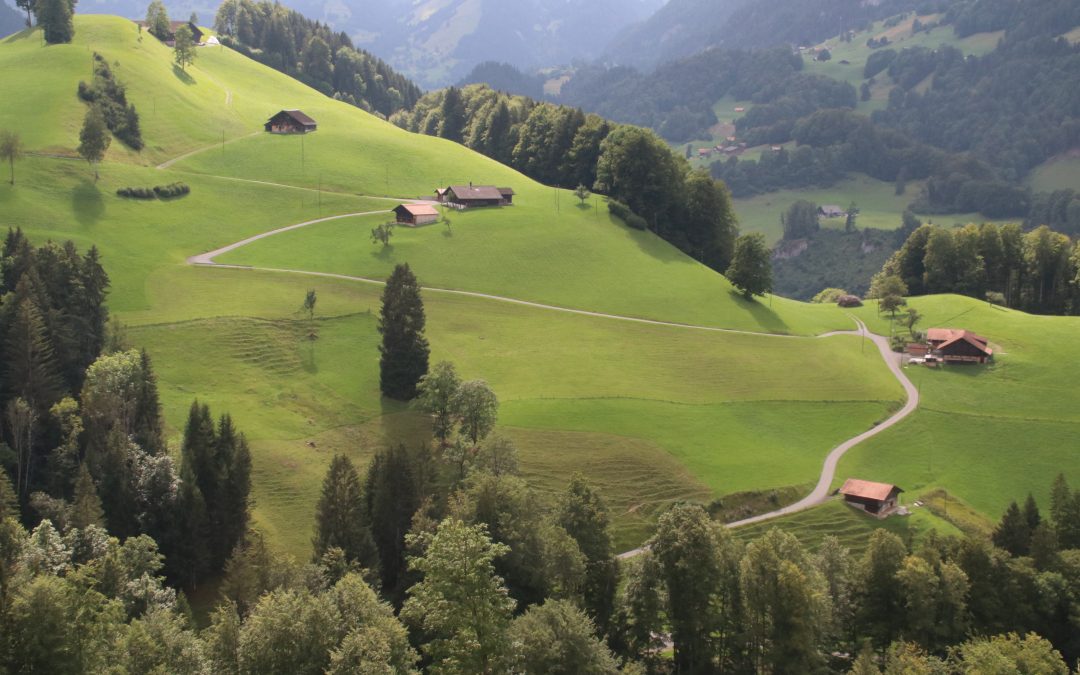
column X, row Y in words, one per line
column 404, row 348
column 341, row 517
column 215, row 477
column 86, row 506
column 30, row 369
column 392, row 496
column 1013, row 533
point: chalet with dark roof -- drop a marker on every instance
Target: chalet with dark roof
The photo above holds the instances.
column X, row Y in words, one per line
column 956, row 345
column 170, row 39
column 290, row 122
column 878, row 499
column 469, row 196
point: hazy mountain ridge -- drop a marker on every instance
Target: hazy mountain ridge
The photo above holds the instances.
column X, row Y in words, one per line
column 11, row 21
column 436, row 42
column 685, row 27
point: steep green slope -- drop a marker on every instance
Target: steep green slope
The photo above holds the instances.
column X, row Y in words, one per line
column 679, row 410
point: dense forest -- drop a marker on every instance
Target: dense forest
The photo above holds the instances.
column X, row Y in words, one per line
column 677, row 99
column 314, row 54
column 1036, row 271
column 563, row 146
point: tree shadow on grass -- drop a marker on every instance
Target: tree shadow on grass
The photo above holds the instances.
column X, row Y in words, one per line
column 183, row 75
column 767, row 319
column 385, row 253
column 87, row 202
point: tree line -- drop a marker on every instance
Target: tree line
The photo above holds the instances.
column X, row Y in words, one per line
column 1036, row 271
column 109, row 95
column 314, row 54
column 83, row 436
column 563, row 146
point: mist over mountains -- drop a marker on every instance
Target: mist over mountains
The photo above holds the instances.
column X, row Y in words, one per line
column 436, row 42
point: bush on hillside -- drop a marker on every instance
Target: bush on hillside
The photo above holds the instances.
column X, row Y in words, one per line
column 622, row 211
column 171, row 190
column 156, row 192
column 110, row 96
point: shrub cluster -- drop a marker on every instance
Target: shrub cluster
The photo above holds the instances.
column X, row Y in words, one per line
column 156, row 192
column 620, row 210
column 110, row 95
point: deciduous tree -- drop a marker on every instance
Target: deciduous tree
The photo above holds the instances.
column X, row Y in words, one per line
column 184, row 47
column 477, row 409
column 751, row 270
column 438, row 397
column 11, row 149
column 460, row 602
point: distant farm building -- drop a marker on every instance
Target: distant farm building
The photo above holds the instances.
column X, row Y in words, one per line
column 740, row 109
column 878, row 499
column 290, row 122
column 170, row 38
column 416, row 214
column 831, row 211
column 956, row 345
column 917, row 350
column 469, row 196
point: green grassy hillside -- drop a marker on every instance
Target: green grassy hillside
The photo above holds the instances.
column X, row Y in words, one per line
column 651, row 413
column 987, row 434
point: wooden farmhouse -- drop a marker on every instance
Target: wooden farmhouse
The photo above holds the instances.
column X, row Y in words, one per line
column 954, row 345
column 468, row 196
column 831, row 211
column 170, row 39
column 416, row 214
column 290, row 122
column 878, row 499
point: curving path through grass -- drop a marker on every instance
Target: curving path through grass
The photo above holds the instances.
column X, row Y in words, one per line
column 828, row 470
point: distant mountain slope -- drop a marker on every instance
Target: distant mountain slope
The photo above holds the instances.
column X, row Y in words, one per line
column 685, row 27
column 436, row 42
column 678, row 29
column 11, row 21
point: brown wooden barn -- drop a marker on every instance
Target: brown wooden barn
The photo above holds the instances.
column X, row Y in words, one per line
column 956, row 345
column 290, row 122
column 476, row 195
column 507, row 196
column 170, row 39
column 416, row 214
column 879, row 499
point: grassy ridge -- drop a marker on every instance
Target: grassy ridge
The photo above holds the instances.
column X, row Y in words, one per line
column 651, row 413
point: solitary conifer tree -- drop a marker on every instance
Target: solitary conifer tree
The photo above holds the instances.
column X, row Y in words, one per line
column 404, row 348
column 94, row 138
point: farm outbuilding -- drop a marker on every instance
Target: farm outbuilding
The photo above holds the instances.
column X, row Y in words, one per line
column 470, row 195
column 416, row 214
column 878, row 499
column 170, row 38
column 290, row 122
column 831, row 211
column 956, row 345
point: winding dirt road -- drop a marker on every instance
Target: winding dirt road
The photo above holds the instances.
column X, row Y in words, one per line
column 828, row 470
